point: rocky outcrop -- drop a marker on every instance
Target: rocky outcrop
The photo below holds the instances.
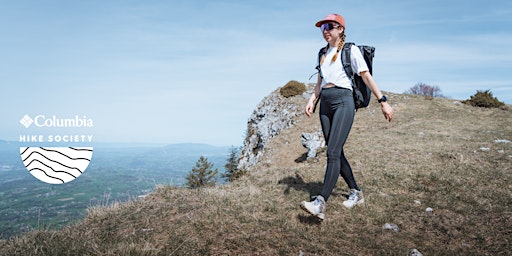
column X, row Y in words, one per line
column 312, row 141
column 272, row 115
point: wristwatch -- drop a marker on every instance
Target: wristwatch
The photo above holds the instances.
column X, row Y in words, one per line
column 383, row 99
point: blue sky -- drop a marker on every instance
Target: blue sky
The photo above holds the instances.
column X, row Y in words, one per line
column 193, row 71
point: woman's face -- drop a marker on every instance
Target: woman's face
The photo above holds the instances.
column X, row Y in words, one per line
column 331, row 31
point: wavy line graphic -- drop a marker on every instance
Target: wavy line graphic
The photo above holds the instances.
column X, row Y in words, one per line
column 56, row 165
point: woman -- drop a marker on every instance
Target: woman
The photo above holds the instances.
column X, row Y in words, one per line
column 337, row 111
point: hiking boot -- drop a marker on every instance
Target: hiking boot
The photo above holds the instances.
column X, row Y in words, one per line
column 315, row 207
column 355, row 197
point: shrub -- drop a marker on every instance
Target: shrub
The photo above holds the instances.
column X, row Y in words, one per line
column 426, row 90
column 292, row 88
column 484, row 99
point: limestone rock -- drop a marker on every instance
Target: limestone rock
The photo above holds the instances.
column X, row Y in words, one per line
column 273, row 114
column 312, row 141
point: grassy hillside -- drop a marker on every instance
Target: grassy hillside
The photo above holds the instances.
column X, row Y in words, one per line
column 436, row 154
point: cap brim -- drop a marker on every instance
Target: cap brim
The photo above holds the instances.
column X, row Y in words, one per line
column 318, row 24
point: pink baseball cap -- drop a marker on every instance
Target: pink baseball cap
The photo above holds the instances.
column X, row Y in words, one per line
column 332, row 17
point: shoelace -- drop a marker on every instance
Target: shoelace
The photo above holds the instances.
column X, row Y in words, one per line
column 316, row 201
column 352, row 196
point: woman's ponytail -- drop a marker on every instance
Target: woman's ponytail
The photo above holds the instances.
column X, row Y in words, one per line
column 340, row 45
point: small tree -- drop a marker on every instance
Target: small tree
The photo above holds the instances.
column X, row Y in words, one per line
column 202, row 174
column 425, row 90
column 232, row 172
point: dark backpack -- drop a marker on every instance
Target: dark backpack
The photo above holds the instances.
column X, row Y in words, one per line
column 362, row 93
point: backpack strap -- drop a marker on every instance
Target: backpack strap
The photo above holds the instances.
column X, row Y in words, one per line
column 345, row 61
column 321, row 53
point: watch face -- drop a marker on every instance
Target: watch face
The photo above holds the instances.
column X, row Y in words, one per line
column 383, row 99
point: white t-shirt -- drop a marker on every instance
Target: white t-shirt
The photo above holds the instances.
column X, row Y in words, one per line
column 334, row 73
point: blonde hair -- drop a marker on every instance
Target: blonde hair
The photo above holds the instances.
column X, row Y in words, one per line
column 340, row 45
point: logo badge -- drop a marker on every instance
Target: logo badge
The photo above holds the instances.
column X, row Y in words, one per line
column 26, row 121
column 60, row 157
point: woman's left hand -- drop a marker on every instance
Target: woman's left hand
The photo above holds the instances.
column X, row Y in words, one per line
column 387, row 110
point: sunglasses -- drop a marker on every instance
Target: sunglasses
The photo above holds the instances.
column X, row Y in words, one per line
column 328, row 27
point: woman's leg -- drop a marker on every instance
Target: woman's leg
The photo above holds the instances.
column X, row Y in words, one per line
column 346, row 172
column 336, row 116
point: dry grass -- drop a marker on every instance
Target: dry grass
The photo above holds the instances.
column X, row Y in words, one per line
column 431, row 152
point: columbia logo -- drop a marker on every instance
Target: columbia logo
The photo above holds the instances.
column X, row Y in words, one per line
column 26, row 121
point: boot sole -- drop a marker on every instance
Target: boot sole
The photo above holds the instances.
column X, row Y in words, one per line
column 358, row 202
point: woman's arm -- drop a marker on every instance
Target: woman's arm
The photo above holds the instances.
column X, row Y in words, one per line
column 314, row 96
column 387, row 110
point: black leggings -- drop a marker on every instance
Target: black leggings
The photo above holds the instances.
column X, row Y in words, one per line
column 336, row 117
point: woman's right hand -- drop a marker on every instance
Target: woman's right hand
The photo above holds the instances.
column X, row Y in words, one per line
column 316, row 93
column 309, row 108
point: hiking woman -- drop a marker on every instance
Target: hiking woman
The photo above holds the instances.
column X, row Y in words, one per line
column 337, row 111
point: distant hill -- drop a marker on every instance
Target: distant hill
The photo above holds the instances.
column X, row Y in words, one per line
column 440, row 173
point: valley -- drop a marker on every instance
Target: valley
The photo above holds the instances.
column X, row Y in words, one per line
column 117, row 173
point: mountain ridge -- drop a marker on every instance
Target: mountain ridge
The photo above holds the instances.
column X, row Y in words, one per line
column 437, row 154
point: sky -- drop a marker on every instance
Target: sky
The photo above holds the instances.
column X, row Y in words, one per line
column 193, row 71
